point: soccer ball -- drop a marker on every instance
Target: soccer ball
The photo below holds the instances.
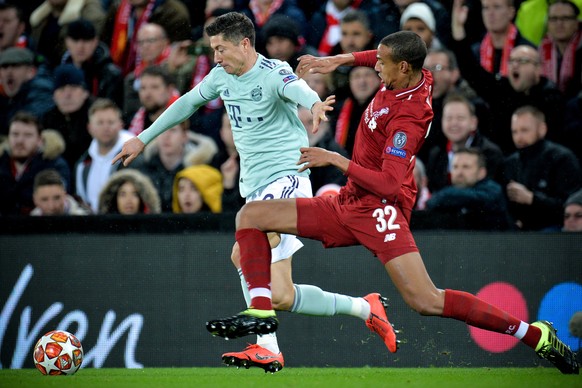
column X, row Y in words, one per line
column 58, row 353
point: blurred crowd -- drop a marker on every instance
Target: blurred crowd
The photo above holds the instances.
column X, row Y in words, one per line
column 80, row 77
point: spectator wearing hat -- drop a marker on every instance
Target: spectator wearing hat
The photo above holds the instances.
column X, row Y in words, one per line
column 573, row 213
column 71, row 112
column 25, row 86
column 49, row 20
column 197, row 189
column 283, row 40
column 418, row 18
column 84, row 50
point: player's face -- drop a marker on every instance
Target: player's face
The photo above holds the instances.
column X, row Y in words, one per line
column 524, row 68
column 280, row 48
column 465, row 171
column 23, row 140
column 104, row 125
column 50, row 199
column 497, row 14
column 364, row 82
column 153, row 93
column 128, row 199
column 573, row 218
column 172, row 141
column 189, row 198
column 354, row 37
column 562, row 22
column 388, row 70
column 458, row 123
column 444, row 77
column 526, row 130
column 232, row 57
column 419, row 28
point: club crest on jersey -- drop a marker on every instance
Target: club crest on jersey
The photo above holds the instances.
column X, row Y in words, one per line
column 257, row 94
column 285, row 72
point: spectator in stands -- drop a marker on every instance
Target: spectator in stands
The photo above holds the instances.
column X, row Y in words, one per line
column 461, row 128
column 26, row 87
column 423, row 193
column 561, row 50
column 447, row 79
column 48, row 25
column 356, row 35
column 540, row 175
column 172, row 151
column 261, row 11
column 321, row 178
column 94, row 167
column 440, row 13
column 363, row 85
column 12, row 27
column 321, row 83
column 85, row 51
column 125, row 18
column 283, row 40
column 71, row 112
column 197, row 189
column 572, row 135
column 477, row 200
column 129, row 192
column 493, row 52
column 50, row 196
column 524, row 85
column 156, row 92
column 573, row 213
column 418, row 18
column 27, row 152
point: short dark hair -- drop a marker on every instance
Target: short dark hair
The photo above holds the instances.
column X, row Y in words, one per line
column 481, row 162
column 48, row 177
column 451, row 57
column 567, row 2
column 27, row 118
column 406, row 46
column 19, row 11
column 158, row 71
column 532, row 110
column 457, row 97
column 356, row 15
column 103, row 104
column 233, row 26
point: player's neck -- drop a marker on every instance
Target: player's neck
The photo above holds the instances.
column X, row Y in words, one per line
column 252, row 58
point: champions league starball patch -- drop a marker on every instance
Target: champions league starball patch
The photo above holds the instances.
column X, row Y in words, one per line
column 398, row 141
column 285, row 72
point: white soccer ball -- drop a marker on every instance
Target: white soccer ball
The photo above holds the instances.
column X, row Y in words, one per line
column 58, row 352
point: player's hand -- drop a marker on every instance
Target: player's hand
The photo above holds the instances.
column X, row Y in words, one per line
column 320, row 157
column 319, row 110
column 130, row 150
column 459, row 16
column 323, row 65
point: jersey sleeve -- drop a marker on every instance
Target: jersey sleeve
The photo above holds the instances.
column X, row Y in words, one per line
column 365, row 58
column 290, row 86
column 181, row 109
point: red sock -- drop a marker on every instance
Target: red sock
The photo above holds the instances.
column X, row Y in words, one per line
column 255, row 262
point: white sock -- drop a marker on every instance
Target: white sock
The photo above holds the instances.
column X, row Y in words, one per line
column 312, row 300
column 267, row 341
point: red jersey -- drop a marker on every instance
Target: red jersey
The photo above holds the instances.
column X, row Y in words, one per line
column 390, row 134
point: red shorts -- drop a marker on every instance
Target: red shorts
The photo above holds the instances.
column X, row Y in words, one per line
column 382, row 229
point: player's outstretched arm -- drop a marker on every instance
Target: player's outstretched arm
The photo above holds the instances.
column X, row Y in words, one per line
column 130, row 150
column 324, row 65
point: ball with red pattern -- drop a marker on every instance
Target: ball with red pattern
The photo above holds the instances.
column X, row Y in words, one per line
column 58, row 352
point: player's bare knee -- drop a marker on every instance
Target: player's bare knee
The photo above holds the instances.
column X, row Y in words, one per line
column 235, row 255
column 424, row 304
column 282, row 302
column 247, row 216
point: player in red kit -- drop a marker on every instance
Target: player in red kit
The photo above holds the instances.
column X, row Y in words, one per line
column 374, row 207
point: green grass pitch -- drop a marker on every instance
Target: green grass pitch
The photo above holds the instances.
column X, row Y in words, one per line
column 295, row 377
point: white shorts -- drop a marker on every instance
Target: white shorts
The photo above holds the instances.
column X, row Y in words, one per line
column 290, row 186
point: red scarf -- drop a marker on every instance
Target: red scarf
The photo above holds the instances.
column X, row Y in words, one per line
column 141, row 65
column 261, row 18
column 201, row 69
column 487, row 51
column 342, row 128
column 124, row 32
column 332, row 33
column 550, row 55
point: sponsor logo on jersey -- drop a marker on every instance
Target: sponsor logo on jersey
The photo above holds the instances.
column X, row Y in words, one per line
column 396, row 152
column 226, row 93
column 285, row 72
column 289, row 78
column 257, row 94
